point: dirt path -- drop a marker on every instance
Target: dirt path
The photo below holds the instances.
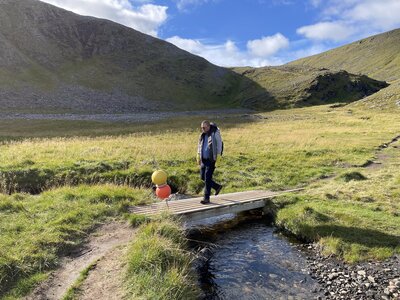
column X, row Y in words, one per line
column 380, row 156
column 127, row 117
column 107, row 242
column 104, row 281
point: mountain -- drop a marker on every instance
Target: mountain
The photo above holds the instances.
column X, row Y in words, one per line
column 297, row 86
column 377, row 56
column 56, row 61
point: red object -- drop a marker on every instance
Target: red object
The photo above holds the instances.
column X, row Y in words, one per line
column 163, row 191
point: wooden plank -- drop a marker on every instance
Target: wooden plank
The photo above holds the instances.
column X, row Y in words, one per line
column 197, row 206
column 199, row 215
column 191, row 208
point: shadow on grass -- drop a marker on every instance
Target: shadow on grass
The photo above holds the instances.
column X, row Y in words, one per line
column 362, row 236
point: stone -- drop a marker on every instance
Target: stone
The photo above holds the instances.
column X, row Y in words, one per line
column 333, row 276
column 397, row 283
column 362, row 273
column 371, row 279
column 387, row 270
column 386, row 291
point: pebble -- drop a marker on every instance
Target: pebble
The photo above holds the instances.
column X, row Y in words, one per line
column 362, row 273
column 361, row 281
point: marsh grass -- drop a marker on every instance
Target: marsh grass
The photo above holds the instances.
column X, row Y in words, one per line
column 37, row 230
column 288, row 148
column 159, row 264
column 84, row 180
column 353, row 219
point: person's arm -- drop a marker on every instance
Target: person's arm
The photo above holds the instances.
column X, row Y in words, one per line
column 198, row 152
column 219, row 142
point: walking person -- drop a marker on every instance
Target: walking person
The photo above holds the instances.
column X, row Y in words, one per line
column 209, row 147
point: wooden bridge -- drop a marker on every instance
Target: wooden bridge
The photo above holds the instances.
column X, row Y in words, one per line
column 193, row 210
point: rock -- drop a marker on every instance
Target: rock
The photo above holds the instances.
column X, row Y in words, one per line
column 397, row 283
column 362, row 273
column 370, row 278
column 333, row 276
column 387, row 270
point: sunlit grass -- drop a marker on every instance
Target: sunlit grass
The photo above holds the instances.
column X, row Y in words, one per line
column 36, row 230
column 354, row 219
column 159, row 264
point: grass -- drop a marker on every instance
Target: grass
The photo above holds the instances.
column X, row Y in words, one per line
column 292, row 148
column 354, row 215
column 37, row 230
column 375, row 56
column 73, row 291
column 298, row 86
column 159, row 264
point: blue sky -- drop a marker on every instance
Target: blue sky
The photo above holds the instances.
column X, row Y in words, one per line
column 248, row 32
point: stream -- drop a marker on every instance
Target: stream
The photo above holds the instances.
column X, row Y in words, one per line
column 244, row 258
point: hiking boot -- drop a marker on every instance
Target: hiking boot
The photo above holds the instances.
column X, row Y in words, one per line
column 218, row 190
column 205, row 201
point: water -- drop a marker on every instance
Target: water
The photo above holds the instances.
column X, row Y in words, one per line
column 246, row 259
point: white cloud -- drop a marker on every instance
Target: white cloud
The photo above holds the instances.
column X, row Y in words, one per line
column 267, row 46
column 183, row 5
column 226, row 54
column 383, row 15
column 315, row 3
column 347, row 20
column 146, row 18
column 334, row 31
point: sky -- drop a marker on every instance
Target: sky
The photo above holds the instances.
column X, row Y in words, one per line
column 248, row 32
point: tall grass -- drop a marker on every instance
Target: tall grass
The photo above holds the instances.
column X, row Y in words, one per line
column 36, row 230
column 288, row 148
column 159, row 264
column 276, row 150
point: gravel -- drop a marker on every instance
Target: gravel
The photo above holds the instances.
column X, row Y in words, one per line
column 366, row 280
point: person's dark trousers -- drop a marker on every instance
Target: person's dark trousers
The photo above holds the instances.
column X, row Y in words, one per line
column 206, row 173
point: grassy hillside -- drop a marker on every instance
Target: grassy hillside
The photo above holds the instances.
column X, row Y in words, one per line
column 54, row 60
column 297, row 86
column 376, row 56
column 385, row 99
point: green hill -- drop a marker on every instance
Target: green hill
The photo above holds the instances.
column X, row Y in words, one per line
column 385, row 99
column 296, row 86
column 376, row 56
column 55, row 60
column 52, row 60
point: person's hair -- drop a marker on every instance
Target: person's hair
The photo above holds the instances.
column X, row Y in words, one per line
column 206, row 122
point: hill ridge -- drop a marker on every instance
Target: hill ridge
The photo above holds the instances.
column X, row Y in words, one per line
column 376, row 56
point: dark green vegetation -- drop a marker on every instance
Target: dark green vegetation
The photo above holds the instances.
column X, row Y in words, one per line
column 376, row 56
